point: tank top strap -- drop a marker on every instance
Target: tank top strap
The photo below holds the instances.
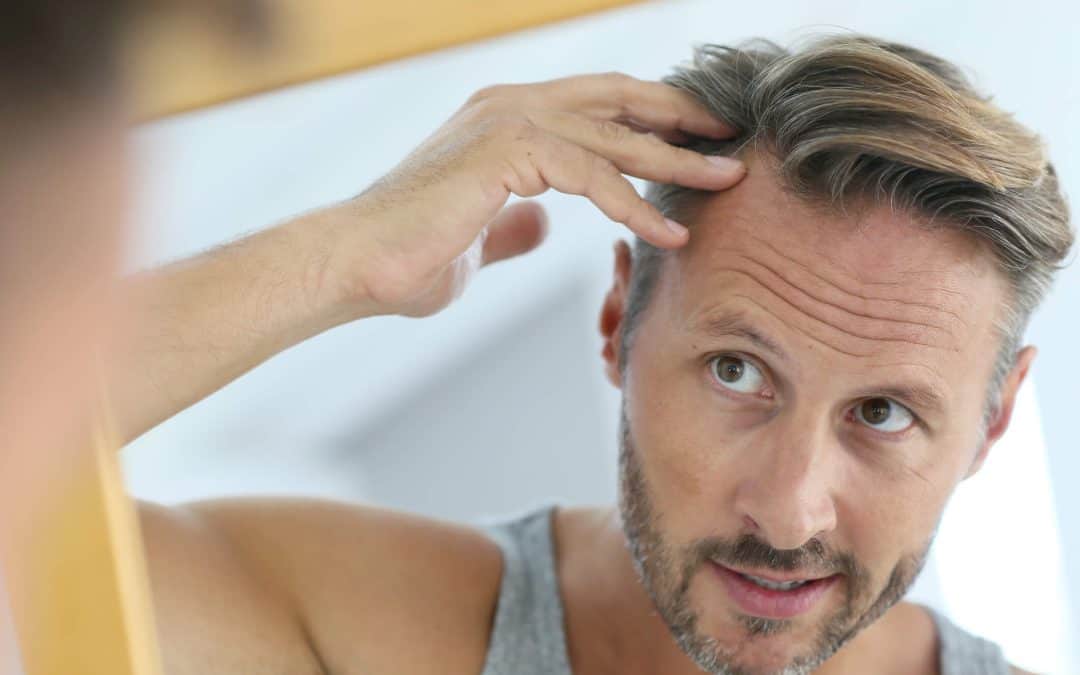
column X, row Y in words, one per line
column 962, row 653
column 528, row 636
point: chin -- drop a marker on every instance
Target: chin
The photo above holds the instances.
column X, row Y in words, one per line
column 724, row 642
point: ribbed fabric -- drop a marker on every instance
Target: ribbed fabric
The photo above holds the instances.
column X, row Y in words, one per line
column 528, row 637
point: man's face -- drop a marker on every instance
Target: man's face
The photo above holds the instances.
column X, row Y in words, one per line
column 803, row 393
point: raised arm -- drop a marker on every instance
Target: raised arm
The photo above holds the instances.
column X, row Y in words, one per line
column 410, row 242
column 275, row 586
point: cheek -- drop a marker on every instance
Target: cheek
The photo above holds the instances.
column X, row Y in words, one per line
column 684, row 448
column 882, row 518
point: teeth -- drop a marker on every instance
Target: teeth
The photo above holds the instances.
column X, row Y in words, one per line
column 772, row 585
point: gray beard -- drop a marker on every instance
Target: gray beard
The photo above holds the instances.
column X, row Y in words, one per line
column 666, row 575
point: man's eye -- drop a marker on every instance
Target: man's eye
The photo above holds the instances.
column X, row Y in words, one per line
column 737, row 374
column 883, row 414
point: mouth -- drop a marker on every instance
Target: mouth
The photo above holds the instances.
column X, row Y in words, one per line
column 773, row 596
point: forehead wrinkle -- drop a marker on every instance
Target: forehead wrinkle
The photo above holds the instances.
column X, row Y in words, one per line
column 799, row 329
column 939, row 307
column 898, row 337
column 873, row 319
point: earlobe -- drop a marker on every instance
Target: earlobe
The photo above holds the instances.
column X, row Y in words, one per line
column 612, row 313
column 1001, row 415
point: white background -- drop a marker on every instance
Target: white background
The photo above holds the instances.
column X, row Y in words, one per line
column 498, row 404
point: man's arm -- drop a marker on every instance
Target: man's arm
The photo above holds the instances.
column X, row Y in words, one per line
column 277, row 586
column 310, row 587
column 198, row 324
column 409, row 244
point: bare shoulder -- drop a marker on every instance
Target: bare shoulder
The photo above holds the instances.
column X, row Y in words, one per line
column 334, row 587
column 1019, row 671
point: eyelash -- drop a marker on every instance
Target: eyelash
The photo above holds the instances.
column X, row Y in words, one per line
column 849, row 415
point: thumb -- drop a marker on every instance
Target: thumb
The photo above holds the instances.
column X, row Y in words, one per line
column 516, row 229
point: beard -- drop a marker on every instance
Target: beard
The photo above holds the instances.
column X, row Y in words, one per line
column 666, row 573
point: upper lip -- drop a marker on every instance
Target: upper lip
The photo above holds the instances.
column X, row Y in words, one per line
column 776, row 577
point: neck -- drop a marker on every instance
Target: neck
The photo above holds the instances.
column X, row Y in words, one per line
column 613, row 627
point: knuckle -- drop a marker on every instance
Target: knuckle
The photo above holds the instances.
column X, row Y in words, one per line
column 517, row 128
column 621, row 85
column 487, row 93
column 490, row 124
column 482, row 109
column 613, row 131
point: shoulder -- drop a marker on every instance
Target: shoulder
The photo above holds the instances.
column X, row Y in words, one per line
column 372, row 590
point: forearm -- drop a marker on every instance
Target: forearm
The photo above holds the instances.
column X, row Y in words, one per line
column 200, row 323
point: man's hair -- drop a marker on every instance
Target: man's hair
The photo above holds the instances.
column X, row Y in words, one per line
column 854, row 121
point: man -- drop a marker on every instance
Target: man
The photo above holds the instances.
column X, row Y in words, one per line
column 806, row 378
column 831, row 348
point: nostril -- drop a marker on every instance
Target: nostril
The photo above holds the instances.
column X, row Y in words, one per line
column 751, row 523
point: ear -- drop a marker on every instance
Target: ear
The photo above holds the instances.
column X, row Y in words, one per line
column 613, row 312
column 1001, row 415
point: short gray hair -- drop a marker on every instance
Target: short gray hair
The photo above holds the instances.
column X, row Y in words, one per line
column 856, row 120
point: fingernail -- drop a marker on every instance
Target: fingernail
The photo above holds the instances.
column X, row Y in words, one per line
column 675, row 227
column 725, row 163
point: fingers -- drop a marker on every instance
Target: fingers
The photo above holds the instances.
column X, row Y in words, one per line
column 659, row 107
column 642, row 155
column 517, row 229
column 570, row 168
column 579, row 135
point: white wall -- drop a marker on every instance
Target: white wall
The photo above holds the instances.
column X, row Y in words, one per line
column 499, row 402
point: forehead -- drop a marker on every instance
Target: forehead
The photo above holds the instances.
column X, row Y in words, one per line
column 872, row 285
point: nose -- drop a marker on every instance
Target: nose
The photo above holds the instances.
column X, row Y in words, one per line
column 786, row 494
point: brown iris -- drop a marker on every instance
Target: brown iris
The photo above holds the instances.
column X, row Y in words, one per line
column 730, row 369
column 876, row 410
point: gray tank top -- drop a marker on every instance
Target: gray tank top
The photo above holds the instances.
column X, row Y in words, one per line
column 528, row 637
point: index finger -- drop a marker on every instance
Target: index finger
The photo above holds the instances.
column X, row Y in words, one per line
column 656, row 106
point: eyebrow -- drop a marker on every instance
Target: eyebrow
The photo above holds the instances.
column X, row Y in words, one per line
column 735, row 325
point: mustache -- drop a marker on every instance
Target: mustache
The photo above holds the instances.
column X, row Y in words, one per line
column 814, row 558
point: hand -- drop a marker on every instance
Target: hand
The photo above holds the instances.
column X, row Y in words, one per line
column 429, row 224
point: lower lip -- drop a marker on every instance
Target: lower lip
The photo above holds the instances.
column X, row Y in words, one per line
column 767, row 603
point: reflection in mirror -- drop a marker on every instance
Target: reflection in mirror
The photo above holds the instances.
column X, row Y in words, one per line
column 344, row 435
